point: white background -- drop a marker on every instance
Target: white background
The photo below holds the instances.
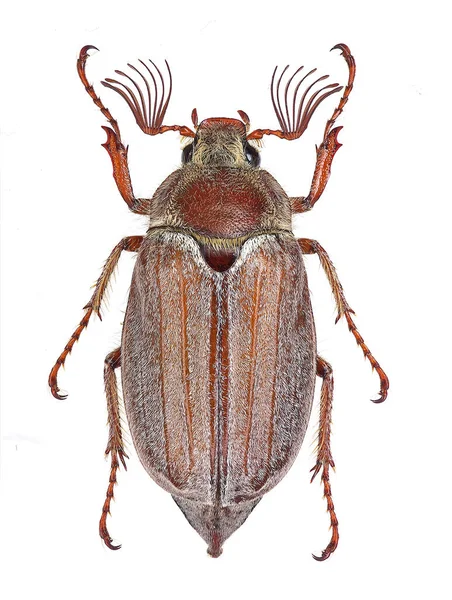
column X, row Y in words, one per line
column 384, row 219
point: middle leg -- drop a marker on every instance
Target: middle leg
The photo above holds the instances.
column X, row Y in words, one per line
column 129, row 244
column 344, row 309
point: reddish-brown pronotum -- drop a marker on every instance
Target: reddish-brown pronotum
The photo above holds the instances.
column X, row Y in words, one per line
column 218, row 350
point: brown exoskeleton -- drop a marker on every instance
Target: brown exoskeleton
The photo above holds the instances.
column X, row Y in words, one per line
column 218, row 351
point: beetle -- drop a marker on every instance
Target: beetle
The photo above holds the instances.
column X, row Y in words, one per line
column 218, row 353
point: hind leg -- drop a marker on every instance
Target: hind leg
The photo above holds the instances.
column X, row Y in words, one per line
column 324, row 457
column 115, row 446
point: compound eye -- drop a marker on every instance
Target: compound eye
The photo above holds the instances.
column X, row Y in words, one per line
column 187, row 154
column 252, row 155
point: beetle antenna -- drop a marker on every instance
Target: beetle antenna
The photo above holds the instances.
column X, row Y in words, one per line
column 277, row 104
column 294, row 114
column 294, row 122
column 148, row 109
column 295, row 94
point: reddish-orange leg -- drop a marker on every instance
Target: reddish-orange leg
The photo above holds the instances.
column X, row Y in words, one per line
column 121, row 175
column 329, row 145
column 115, row 446
column 149, row 120
column 343, row 309
column 113, row 145
column 324, row 459
column 130, row 244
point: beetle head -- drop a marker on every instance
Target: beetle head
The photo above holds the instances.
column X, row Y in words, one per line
column 221, row 142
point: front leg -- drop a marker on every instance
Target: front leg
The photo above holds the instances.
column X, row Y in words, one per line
column 329, row 145
column 121, row 174
column 322, row 171
column 113, row 145
column 344, row 309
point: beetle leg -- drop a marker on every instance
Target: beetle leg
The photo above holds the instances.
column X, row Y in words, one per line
column 115, row 446
column 131, row 244
column 324, row 458
column 343, row 309
column 329, row 145
column 113, row 145
column 121, row 174
column 322, row 171
column 81, row 69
